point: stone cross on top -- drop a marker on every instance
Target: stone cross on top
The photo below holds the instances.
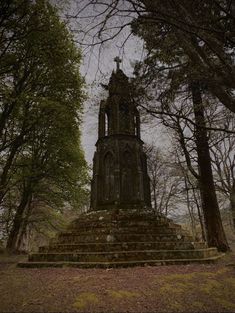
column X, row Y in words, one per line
column 118, row 61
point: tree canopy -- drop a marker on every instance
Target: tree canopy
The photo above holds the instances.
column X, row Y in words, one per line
column 42, row 94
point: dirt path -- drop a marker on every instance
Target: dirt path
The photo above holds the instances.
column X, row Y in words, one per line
column 191, row 288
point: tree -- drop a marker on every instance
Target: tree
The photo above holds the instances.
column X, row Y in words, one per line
column 174, row 189
column 202, row 30
column 41, row 104
column 164, row 181
column 223, row 160
column 185, row 99
column 175, row 76
column 215, row 232
column 192, row 199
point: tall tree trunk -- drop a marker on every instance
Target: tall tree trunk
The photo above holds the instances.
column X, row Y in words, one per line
column 190, row 211
column 18, row 219
column 7, row 110
column 200, row 217
column 8, row 164
column 21, row 235
column 154, row 196
column 201, row 221
column 232, row 204
column 23, row 231
column 214, row 228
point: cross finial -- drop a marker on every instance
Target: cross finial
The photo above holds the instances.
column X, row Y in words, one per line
column 118, row 61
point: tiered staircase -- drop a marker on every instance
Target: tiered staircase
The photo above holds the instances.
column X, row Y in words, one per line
column 121, row 238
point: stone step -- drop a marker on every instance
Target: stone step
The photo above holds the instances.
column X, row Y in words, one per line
column 122, row 214
column 122, row 224
column 125, row 221
column 124, row 255
column 119, row 237
column 125, row 246
column 124, row 230
column 125, row 225
column 149, row 262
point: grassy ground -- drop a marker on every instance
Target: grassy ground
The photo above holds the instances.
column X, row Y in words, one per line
column 191, row 288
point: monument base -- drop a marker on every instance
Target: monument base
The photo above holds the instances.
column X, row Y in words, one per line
column 121, row 238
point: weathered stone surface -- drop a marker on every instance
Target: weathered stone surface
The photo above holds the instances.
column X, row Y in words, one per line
column 123, row 246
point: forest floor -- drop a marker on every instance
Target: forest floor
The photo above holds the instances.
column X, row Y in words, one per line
column 182, row 288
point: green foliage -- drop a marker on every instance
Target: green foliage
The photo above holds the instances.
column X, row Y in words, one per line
column 42, row 93
column 192, row 41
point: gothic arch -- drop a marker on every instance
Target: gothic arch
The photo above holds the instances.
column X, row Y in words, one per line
column 126, row 148
column 106, row 122
column 108, row 164
column 127, row 158
column 127, row 175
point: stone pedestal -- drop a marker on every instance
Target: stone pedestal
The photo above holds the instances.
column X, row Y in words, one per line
column 121, row 238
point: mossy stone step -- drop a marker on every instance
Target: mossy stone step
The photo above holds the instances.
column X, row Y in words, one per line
column 119, row 237
column 122, row 224
column 120, row 219
column 104, row 247
column 132, row 228
column 209, row 260
column 124, row 230
column 124, row 255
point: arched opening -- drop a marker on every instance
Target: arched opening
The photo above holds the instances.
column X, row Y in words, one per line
column 136, row 131
column 108, row 176
column 127, row 176
column 106, row 124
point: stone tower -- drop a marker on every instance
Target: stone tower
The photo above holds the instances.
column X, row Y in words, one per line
column 120, row 176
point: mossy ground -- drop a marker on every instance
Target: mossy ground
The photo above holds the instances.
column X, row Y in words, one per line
column 185, row 288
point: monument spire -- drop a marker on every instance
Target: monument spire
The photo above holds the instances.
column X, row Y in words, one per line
column 120, row 178
column 117, row 60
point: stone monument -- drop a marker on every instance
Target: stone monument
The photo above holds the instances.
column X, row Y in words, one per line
column 120, row 178
column 120, row 228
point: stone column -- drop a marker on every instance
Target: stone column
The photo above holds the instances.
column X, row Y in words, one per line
column 102, row 119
